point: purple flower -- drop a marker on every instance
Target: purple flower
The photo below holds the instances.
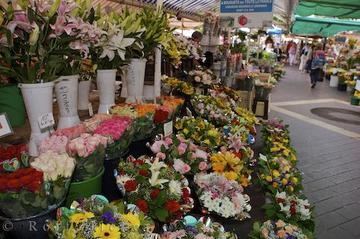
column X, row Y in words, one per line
column 108, row 217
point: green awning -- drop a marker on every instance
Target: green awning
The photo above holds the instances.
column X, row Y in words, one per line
column 349, row 9
column 318, row 26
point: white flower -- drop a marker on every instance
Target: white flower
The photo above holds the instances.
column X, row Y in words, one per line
column 155, row 181
column 175, row 187
column 120, row 43
column 122, row 179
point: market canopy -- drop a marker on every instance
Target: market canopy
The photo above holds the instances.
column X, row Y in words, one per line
column 319, row 26
column 349, row 9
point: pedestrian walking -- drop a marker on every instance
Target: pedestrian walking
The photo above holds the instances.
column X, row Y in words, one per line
column 317, row 66
column 303, row 58
column 292, row 54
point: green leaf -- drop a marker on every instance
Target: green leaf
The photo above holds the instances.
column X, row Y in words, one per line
column 161, row 214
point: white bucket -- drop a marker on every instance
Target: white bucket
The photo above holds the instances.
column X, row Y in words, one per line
column 135, row 77
column 106, row 85
column 83, row 95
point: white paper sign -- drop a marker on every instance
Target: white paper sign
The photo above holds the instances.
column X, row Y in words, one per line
column 357, row 86
column 168, row 128
column 5, row 128
column 46, row 120
column 91, row 111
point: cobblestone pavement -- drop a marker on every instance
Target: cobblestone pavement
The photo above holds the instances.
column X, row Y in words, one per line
column 328, row 151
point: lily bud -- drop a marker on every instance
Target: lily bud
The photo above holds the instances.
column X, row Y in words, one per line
column 34, row 36
column 54, row 8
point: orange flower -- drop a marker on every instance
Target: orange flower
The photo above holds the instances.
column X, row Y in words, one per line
column 144, row 109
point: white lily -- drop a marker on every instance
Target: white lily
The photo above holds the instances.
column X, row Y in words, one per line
column 108, row 52
column 155, row 181
column 156, row 166
column 120, row 43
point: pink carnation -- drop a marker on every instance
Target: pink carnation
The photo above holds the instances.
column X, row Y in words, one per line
column 72, row 132
column 200, row 154
column 56, row 144
column 203, row 166
column 114, row 127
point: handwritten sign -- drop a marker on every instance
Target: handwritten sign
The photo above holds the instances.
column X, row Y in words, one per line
column 5, row 127
column 168, row 128
column 46, row 121
column 91, row 111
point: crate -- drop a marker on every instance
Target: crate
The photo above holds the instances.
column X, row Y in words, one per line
column 246, row 99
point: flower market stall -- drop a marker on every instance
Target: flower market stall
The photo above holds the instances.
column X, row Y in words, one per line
column 192, row 163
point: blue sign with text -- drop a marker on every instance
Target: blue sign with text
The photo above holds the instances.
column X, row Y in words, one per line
column 246, row 6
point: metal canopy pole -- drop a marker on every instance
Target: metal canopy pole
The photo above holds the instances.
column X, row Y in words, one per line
column 157, row 75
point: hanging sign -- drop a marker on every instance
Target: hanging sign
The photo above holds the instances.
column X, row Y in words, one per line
column 248, row 13
column 5, row 127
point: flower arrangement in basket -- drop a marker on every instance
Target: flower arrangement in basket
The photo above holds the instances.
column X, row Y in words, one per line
column 184, row 156
column 157, row 189
column 222, row 196
column 95, row 217
column 119, row 132
column 11, row 156
column 142, row 115
column 278, row 174
column 198, row 230
column 200, row 131
column 37, row 187
column 277, row 230
column 203, row 77
column 293, row 209
column 89, row 152
column 176, row 86
column 230, row 166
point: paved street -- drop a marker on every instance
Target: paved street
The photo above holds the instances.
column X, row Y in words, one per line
column 325, row 130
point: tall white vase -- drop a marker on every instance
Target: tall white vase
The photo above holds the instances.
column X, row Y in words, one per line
column 66, row 90
column 38, row 101
column 106, row 85
column 83, row 95
column 135, row 80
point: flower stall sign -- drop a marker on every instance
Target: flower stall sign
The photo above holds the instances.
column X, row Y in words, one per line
column 46, row 120
column 5, row 128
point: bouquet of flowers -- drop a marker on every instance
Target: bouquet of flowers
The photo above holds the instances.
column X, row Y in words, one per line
column 72, row 132
column 157, row 189
column 175, row 86
column 29, row 191
column 198, row 230
column 11, row 157
column 172, row 103
column 222, row 196
column 200, row 131
column 89, row 152
column 142, row 114
column 56, row 144
column 293, row 209
column 184, row 156
column 278, row 174
column 120, row 133
column 93, row 122
column 208, row 107
column 277, row 230
column 204, row 78
column 95, row 217
column 231, row 167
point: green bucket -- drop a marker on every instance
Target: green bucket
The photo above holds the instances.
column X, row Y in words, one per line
column 84, row 189
column 12, row 103
column 354, row 101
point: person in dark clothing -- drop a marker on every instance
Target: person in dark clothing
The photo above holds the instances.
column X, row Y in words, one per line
column 317, row 65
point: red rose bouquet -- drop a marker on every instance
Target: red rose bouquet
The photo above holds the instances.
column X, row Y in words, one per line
column 184, row 156
column 29, row 191
column 155, row 188
column 119, row 132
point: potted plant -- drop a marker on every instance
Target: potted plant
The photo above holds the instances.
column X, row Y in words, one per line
column 33, row 56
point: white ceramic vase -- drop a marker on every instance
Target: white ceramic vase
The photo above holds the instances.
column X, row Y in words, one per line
column 66, row 90
column 83, row 95
column 106, row 80
column 38, row 100
column 135, row 77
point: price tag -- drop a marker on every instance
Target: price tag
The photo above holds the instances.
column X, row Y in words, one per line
column 91, row 111
column 168, row 128
column 5, row 127
column 46, row 121
column 357, row 86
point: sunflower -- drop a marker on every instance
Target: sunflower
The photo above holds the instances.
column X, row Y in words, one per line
column 78, row 218
column 107, row 231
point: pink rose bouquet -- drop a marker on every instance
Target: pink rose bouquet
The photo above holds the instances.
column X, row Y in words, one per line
column 119, row 132
column 184, row 156
column 92, row 123
column 89, row 152
column 56, row 144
